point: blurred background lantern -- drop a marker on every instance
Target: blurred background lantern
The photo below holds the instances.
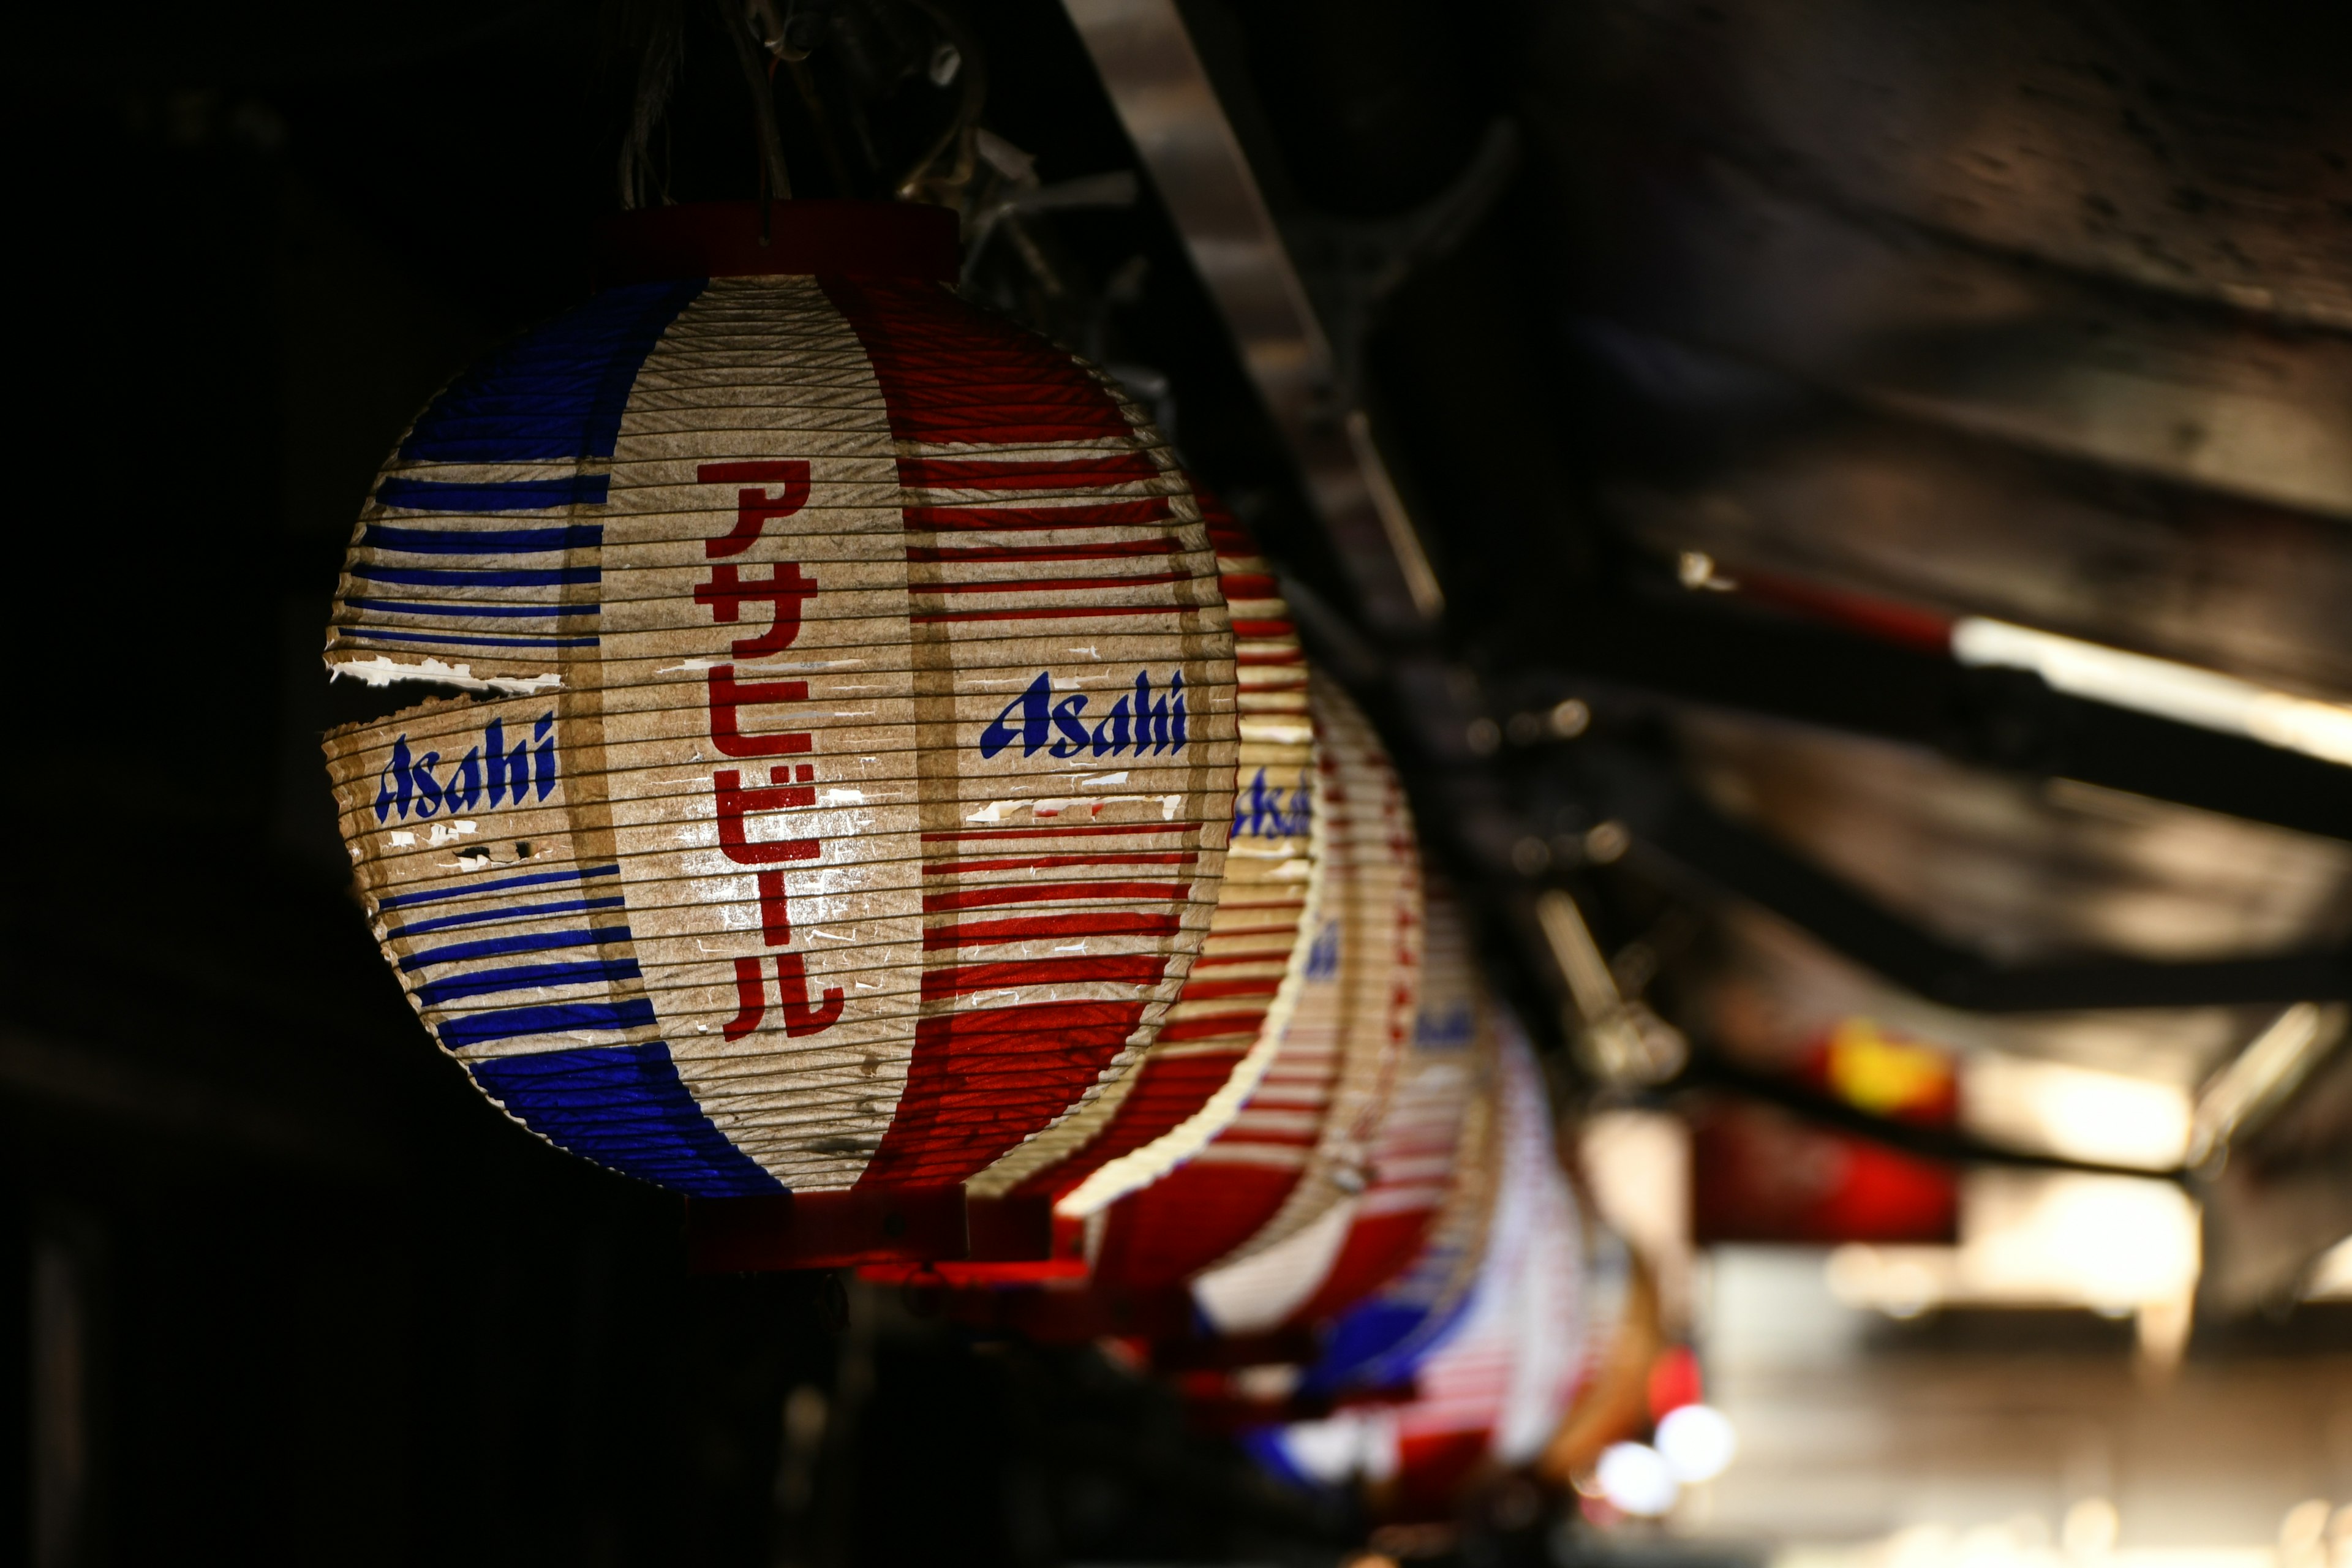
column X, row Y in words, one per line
column 1367, row 1237
column 846, row 787
column 1300, row 1141
column 1230, row 1015
column 1370, row 1350
column 1492, row 1386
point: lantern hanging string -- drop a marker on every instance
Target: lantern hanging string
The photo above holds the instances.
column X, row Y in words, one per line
column 813, row 104
column 774, row 32
column 740, row 20
column 660, row 50
column 960, row 131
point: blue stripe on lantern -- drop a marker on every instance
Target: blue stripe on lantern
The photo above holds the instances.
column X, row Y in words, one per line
column 504, row 913
column 555, row 393
column 482, row 541
column 467, row 577
column 624, row 1106
column 554, row 396
column 530, row 941
column 371, row 635
column 403, row 607
column 524, row 977
column 499, row 495
column 548, row 1019
column 1379, row 1344
column 533, row 879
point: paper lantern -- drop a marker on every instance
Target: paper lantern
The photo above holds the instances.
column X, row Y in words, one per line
column 1425, row 1141
column 1372, row 1348
column 1242, row 989
column 1300, row 1141
column 849, row 796
column 1494, row 1386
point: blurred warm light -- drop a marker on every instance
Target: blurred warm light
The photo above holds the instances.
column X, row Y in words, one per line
column 1634, row 1476
column 2079, row 1112
column 2099, row 1239
column 1697, row 1443
column 1273, row 1380
column 2090, row 1528
column 2302, row 1535
column 2020, row 1543
column 2033, row 1238
column 1638, row 1163
column 2331, row 1277
column 2177, row 691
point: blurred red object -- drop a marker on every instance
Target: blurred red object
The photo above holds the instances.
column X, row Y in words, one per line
column 1758, row 1174
column 1674, row 1380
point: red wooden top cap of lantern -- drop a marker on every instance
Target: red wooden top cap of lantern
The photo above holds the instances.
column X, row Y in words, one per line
column 737, row 239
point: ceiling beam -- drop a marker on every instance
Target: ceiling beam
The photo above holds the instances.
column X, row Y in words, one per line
column 1679, row 835
column 1684, row 648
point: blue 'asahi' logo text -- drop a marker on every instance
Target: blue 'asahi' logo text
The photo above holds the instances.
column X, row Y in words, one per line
column 1140, row 723
column 1445, row 1028
column 408, row 784
column 1260, row 812
column 1323, row 953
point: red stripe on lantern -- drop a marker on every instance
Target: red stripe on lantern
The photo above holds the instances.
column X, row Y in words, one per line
column 1043, row 928
column 1046, row 892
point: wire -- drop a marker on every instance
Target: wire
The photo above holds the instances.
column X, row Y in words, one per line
column 777, row 184
column 961, row 131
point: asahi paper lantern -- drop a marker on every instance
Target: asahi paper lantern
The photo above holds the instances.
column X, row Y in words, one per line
column 1244, row 987
column 1497, row 1388
column 1301, row 1140
column 1373, row 1347
column 1425, row 1141
column 1496, row 1384
column 848, row 788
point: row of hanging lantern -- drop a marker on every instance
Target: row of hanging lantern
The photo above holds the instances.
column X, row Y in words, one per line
column 885, row 800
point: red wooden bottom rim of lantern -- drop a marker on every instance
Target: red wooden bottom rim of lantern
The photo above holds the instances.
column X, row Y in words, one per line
column 1214, row 1408
column 911, row 1226
column 1063, row 1317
